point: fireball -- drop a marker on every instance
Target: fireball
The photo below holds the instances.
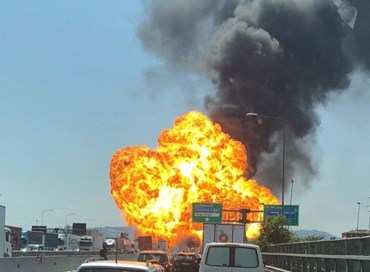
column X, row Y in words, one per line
column 195, row 162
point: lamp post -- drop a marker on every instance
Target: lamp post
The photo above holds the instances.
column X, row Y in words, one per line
column 253, row 114
column 89, row 219
column 358, row 215
column 369, row 215
column 291, row 192
column 65, row 218
column 42, row 215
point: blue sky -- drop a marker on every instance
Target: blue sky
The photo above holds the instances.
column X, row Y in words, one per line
column 72, row 92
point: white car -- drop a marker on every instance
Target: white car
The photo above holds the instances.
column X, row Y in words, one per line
column 231, row 257
column 119, row 266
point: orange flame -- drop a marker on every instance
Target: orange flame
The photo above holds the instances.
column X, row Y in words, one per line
column 195, row 162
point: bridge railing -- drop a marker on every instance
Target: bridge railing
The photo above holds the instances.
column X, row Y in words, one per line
column 318, row 262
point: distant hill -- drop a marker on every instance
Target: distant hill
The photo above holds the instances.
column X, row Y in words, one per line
column 307, row 233
column 111, row 232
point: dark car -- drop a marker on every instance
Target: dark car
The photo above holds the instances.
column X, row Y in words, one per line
column 162, row 257
column 187, row 262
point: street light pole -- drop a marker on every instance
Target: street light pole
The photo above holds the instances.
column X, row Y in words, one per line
column 65, row 218
column 253, row 114
column 369, row 215
column 42, row 215
column 358, row 215
column 291, row 192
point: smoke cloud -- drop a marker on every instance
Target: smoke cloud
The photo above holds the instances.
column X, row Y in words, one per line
column 279, row 58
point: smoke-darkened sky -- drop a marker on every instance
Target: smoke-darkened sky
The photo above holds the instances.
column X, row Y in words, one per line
column 279, row 58
column 72, row 93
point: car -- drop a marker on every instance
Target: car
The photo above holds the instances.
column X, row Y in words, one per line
column 162, row 257
column 187, row 261
column 231, row 257
column 33, row 247
column 119, row 266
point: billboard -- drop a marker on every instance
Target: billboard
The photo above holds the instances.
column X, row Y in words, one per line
column 79, row 228
column 39, row 228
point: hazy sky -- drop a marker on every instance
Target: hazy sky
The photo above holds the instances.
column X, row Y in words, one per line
column 73, row 91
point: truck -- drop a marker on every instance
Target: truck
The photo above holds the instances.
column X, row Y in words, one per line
column 50, row 241
column 218, row 232
column 16, row 237
column 111, row 244
column 8, row 250
column 68, row 241
column 147, row 243
column 6, row 236
column 35, row 241
column 119, row 244
column 39, row 240
column 92, row 243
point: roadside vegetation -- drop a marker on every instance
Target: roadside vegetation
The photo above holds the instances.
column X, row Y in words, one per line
column 275, row 231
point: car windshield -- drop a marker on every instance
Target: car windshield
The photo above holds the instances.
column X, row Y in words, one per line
column 182, row 257
column 85, row 243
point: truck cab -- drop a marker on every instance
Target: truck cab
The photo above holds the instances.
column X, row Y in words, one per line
column 86, row 243
column 91, row 243
column 8, row 242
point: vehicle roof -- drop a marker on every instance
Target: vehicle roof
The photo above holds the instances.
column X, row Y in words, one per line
column 153, row 251
column 233, row 244
column 119, row 264
column 188, row 253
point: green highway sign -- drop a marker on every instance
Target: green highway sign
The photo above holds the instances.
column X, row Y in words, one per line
column 206, row 213
column 291, row 213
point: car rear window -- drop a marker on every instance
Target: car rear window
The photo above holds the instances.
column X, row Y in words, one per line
column 232, row 257
column 185, row 257
column 161, row 258
column 108, row 269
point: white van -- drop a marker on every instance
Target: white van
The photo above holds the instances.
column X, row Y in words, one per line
column 231, row 257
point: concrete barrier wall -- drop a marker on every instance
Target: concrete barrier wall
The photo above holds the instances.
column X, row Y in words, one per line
column 41, row 263
column 45, row 263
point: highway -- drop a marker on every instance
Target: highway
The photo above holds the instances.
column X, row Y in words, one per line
column 64, row 261
column 350, row 254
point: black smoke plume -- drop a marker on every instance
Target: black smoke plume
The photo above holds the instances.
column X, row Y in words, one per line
column 279, row 58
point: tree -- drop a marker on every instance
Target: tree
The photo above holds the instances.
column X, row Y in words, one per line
column 273, row 232
column 307, row 238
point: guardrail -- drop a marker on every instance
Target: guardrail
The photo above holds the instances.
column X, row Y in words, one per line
column 269, row 268
column 318, row 262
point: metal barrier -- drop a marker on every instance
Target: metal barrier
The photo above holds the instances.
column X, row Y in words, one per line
column 269, row 268
column 317, row 262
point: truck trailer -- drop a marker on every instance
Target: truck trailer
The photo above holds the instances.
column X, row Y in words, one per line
column 92, row 243
column 6, row 236
column 224, row 233
column 68, row 242
column 147, row 243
